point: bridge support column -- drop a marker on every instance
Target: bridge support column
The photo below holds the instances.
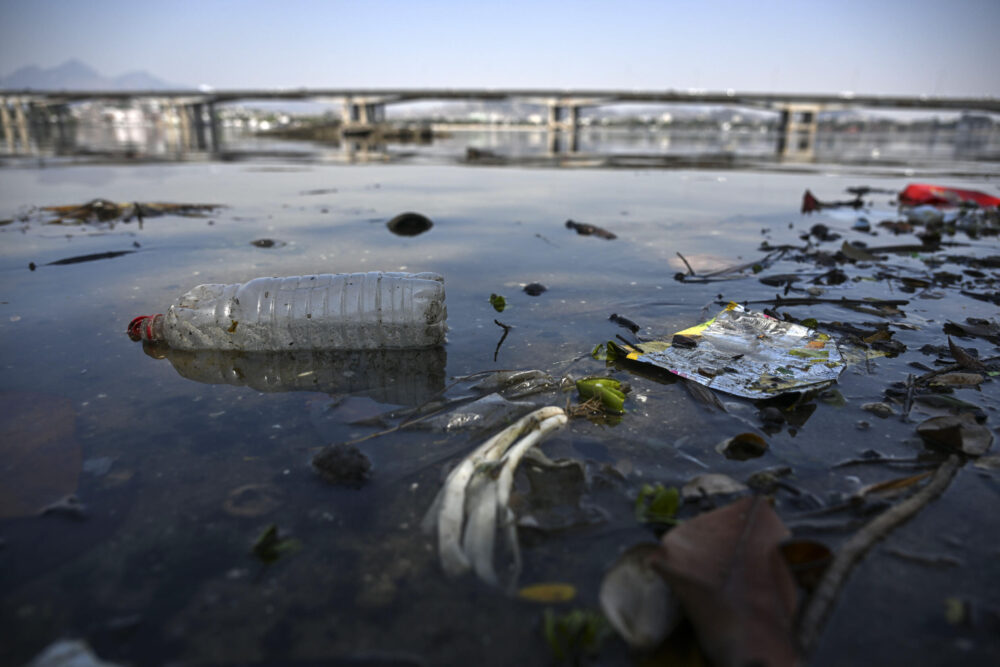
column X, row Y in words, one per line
column 797, row 130
column 564, row 116
column 63, row 124
column 21, row 123
column 183, row 125
column 7, row 124
column 198, row 118
column 361, row 116
column 214, row 129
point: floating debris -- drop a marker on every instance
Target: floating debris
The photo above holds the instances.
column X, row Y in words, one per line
column 409, row 224
column 343, row 465
column 749, row 354
column 586, row 229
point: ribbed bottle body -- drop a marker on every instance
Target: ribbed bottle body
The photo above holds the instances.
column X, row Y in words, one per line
column 355, row 311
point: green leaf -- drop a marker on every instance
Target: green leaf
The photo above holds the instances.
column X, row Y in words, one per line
column 657, row 504
column 269, row 547
column 606, row 389
column 498, row 302
column 575, row 634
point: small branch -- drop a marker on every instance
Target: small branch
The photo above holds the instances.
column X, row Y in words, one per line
column 825, row 595
column 690, row 270
column 810, row 301
column 506, row 330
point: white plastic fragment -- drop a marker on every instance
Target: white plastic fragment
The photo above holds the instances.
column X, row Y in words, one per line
column 473, row 500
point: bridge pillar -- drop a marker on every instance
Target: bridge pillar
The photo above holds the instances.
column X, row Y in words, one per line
column 214, row 129
column 797, row 130
column 564, row 116
column 21, row 123
column 198, row 120
column 7, row 124
column 361, row 115
column 63, row 125
column 180, row 113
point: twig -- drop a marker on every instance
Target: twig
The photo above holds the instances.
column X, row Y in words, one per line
column 690, row 270
column 825, row 595
column 506, row 330
column 810, row 301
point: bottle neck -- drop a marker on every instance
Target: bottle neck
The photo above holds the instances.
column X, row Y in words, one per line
column 146, row 327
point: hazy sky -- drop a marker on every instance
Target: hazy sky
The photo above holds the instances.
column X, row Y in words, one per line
column 940, row 47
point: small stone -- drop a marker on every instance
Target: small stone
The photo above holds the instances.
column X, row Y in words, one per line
column 881, row 410
column 409, row 224
column 342, row 464
column 771, row 415
column 534, row 289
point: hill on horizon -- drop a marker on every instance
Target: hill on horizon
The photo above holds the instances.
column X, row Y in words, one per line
column 77, row 75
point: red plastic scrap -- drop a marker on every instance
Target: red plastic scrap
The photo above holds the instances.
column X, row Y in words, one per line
column 937, row 195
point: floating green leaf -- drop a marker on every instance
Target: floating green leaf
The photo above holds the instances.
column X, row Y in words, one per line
column 657, row 504
column 498, row 302
column 575, row 634
column 608, row 390
column 269, row 547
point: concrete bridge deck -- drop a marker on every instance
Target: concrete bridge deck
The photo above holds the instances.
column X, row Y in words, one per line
column 364, row 108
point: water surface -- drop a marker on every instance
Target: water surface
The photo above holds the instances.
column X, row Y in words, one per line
column 160, row 571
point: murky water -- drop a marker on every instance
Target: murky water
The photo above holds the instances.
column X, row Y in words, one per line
column 180, row 472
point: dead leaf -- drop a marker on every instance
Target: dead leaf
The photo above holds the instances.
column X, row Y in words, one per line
column 891, row 486
column 857, row 254
column 963, row 358
column 548, row 593
column 711, row 484
column 807, row 560
column 734, row 584
column 958, row 380
column 956, row 433
column 40, row 460
column 586, row 229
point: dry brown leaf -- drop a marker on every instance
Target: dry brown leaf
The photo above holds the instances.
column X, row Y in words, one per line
column 963, row 358
column 956, row 433
column 735, row 587
column 958, row 380
column 892, row 485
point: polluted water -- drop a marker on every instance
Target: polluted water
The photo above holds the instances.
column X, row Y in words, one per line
column 588, row 459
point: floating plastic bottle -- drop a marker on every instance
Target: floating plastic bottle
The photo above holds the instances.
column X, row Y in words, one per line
column 355, row 311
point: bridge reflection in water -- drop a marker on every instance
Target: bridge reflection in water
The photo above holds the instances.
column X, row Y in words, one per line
column 194, row 125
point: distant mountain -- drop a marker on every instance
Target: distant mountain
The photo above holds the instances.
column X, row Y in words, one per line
column 76, row 75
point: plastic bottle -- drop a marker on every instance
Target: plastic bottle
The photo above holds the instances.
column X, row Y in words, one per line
column 354, row 311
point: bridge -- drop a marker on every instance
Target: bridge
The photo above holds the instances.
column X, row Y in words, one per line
column 363, row 109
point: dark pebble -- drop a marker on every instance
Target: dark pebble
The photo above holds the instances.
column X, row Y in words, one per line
column 342, row 464
column 534, row 289
column 771, row 415
column 409, row 224
column 267, row 243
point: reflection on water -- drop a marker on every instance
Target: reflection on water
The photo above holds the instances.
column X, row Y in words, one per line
column 133, row 134
column 398, row 377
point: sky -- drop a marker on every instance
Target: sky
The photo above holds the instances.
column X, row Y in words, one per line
column 945, row 47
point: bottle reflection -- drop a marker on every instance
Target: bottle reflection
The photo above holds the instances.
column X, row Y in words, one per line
column 399, row 377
